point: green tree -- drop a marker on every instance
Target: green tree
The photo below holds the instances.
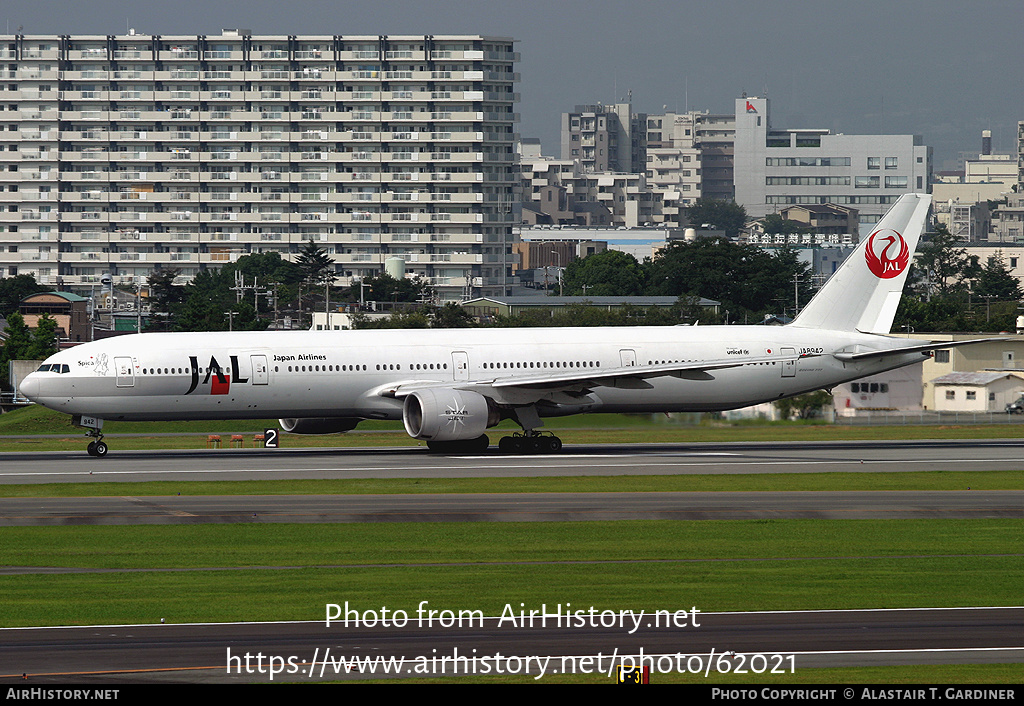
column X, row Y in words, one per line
column 16, row 346
column 746, row 279
column 385, row 288
column 44, row 339
column 205, row 301
column 451, row 315
column 14, row 289
column 165, row 298
column 774, row 223
column 806, row 406
column 728, row 216
column 611, row 273
column 996, row 280
column 316, row 265
column 942, row 267
column 399, row 319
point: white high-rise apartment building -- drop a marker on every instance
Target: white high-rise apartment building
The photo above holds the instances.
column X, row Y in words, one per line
column 130, row 153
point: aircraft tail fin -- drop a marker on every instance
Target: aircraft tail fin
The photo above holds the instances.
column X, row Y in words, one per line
column 865, row 291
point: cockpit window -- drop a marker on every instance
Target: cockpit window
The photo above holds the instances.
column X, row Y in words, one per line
column 54, row 368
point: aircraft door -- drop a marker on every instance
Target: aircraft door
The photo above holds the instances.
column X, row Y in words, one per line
column 627, row 357
column 789, row 365
column 125, row 372
column 260, row 372
column 460, row 365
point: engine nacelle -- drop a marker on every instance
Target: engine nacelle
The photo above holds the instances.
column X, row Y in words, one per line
column 319, row 425
column 447, row 415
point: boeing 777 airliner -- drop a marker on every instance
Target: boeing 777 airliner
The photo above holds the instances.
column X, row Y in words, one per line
column 449, row 386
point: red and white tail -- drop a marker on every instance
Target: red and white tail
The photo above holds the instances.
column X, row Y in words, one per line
column 864, row 293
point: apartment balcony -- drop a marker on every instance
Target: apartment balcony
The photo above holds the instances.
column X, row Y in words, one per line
column 222, row 55
column 29, row 256
column 178, row 54
column 457, row 157
column 359, row 55
column 300, row 177
column 85, row 257
column 132, row 55
column 459, row 258
column 457, row 177
column 470, row 55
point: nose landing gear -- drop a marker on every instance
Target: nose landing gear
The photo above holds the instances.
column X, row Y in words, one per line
column 97, row 448
column 94, row 429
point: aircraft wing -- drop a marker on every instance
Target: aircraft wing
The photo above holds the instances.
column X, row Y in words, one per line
column 690, row 370
column 860, row 353
column 629, row 376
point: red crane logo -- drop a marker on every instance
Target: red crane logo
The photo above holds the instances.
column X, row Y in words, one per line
column 887, row 253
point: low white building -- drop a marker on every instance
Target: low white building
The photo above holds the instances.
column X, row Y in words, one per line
column 988, row 391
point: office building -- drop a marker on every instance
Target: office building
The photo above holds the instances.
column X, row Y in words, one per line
column 777, row 167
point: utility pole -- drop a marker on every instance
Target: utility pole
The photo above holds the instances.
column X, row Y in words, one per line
column 327, row 305
column 559, row 270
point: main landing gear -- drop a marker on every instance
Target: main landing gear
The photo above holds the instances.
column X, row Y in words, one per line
column 530, row 442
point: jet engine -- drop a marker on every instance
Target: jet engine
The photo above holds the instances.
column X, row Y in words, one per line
column 319, row 425
column 447, row 415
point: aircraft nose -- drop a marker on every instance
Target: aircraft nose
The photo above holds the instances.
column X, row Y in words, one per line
column 29, row 387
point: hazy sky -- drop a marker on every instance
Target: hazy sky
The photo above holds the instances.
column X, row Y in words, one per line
column 944, row 69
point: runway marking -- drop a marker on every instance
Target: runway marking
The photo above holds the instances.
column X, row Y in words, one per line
column 652, row 463
column 648, row 655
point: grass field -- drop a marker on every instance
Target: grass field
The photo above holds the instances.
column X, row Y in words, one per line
column 213, row 572
column 906, row 480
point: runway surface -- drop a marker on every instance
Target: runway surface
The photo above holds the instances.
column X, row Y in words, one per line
column 652, row 459
column 508, row 507
column 198, row 653
column 312, row 651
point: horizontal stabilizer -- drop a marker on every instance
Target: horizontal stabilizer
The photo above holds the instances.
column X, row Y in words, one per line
column 923, row 348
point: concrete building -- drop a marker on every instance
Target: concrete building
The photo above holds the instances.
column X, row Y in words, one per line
column 605, row 138
column 962, row 202
column 776, row 167
column 1005, row 355
column 545, row 252
column 563, row 192
column 692, row 154
column 123, row 154
column 1007, row 222
column 639, row 242
column 898, row 389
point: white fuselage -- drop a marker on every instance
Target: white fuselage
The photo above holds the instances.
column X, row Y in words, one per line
column 165, row 376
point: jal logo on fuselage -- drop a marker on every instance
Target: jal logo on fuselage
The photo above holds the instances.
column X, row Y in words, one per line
column 220, row 382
